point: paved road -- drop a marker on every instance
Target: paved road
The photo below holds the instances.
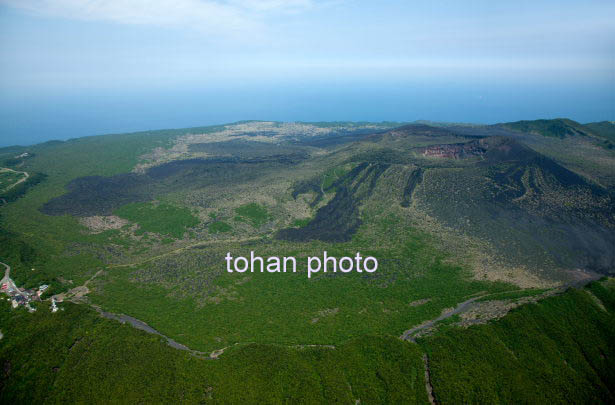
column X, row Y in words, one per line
column 7, row 272
column 138, row 324
column 407, row 335
column 7, row 279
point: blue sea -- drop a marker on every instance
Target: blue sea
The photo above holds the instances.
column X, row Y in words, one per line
column 28, row 117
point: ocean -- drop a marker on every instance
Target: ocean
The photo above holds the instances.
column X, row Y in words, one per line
column 29, row 117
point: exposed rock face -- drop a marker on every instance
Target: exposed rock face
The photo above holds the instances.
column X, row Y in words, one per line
column 455, row 150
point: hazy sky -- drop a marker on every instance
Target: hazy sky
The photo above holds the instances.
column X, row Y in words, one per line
column 75, row 49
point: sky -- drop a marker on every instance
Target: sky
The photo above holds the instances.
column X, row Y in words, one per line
column 71, row 68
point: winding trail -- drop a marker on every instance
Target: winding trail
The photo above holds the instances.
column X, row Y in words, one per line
column 138, row 324
column 181, row 249
column 7, row 279
column 408, row 335
column 6, row 169
column 76, row 293
column 7, row 272
column 461, row 307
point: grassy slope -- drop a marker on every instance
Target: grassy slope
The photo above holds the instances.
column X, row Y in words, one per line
column 76, row 356
column 558, row 128
column 600, row 134
column 261, row 312
column 164, row 219
column 50, row 236
column 605, row 129
column 560, row 350
column 557, row 351
column 281, row 308
column 252, row 213
column 266, row 309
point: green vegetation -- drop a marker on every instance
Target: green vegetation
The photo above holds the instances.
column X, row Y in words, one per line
column 162, row 218
column 331, row 176
column 219, row 227
column 300, row 223
column 191, row 303
column 17, row 158
column 75, row 356
column 30, row 267
column 440, row 227
column 513, row 295
column 560, row 350
column 370, row 369
column 558, row 128
column 19, row 190
column 557, row 351
column 7, row 179
column 605, row 129
column 252, row 213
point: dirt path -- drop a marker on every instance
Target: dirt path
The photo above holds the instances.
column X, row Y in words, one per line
column 407, row 335
column 7, row 279
column 6, row 169
column 138, row 324
column 214, row 355
column 7, row 271
column 76, row 293
column 181, row 249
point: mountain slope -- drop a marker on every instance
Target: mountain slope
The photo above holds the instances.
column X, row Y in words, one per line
column 455, row 215
column 559, row 127
column 606, row 130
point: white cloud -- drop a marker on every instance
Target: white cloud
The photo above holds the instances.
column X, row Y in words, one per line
column 222, row 17
column 273, row 5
